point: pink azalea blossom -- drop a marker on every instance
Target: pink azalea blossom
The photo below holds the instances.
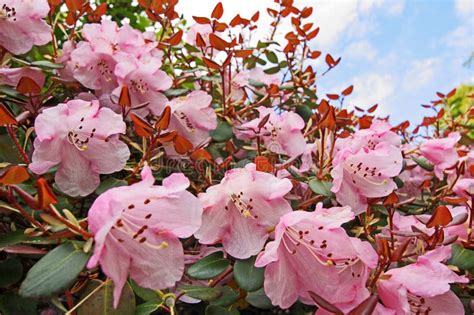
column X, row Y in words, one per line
column 365, row 174
column 22, row 25
column 464, row 188
column 422, row 287
column 82, row 141
column 193, row 117
column 243, row 210
column 11, row 76
column 136, row 230
column 441, row 152
column 145, row 82
column 281, row 134
column 312, row 252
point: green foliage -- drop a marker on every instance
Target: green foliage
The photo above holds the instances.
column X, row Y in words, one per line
column 247, row 276
column 209, row 266
column 100, row 300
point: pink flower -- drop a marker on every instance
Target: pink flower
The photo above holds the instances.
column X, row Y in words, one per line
column 145, row 82
column 93, row 66
column 22, row 25
column 256, row 74
column 281, row 134
column 193, row 117
column 464, row 188
column 312, row 252
column 441, row 152
column 11, row 76
column 365, row 174
column 136, row 230
column 422, row 287
column 82, row 141
column 242, row 210
column 379, row 132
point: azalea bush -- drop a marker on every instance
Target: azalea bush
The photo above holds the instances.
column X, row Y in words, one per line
column 152, row 165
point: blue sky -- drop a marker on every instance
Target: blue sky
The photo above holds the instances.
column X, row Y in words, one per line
column 396, row 53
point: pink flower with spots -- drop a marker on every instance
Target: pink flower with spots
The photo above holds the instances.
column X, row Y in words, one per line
column 365, row 174
column 441, row 152
column 22, row 25
column 422, row 287
column 282, row 134
column 11, row 76
column 137, row 229
column 145, row 82
column 192, row 117
column 312, row 252
column 243, row 210
column 82, row 140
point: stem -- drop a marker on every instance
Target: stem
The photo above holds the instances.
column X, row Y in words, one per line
column 18, row 146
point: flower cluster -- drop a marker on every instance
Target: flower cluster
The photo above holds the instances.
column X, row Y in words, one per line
column 188, row 165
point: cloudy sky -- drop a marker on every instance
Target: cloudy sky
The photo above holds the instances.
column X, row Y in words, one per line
column 396, row 53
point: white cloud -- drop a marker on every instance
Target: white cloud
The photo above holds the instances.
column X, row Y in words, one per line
column 396, row 7
column 361, row 50
column 420, row 73
column 464, row 8
column 373, row 88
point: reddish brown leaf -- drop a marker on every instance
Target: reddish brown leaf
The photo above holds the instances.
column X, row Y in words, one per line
column 14, row 175
column 321, row 302
column 314, row 54
column 211, row 64
column 45, row 194
column 307, row 11
column 367, row 307
column 201, row 20
column 255, row 17
column 218, row 11
column 164, row 120
column 167, row 137
column 142, row 127
column 176, row 38
column 218, row 42
column 220, row 27
column 243, row 53
column 272, row 13
column 391, row 199
column 263, row 164
column 348, row 90
column 182, row 145
column 27, row 85
column 373, row 108
column 200, row 155
column 451, row 93
column 440, row 95
column 124, row 99
column 441, row 217
column 329, row 119
column 331, row 62
column 236, row 20
column 333, row 96
column 263, row 121
column 200, row 41
column 313, row 34
column 397, row 254
column 5, row 117
column 96, row 15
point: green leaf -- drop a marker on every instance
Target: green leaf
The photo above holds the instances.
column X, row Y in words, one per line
column 110, row 183
column 256, row 84
column 398, row 181
column 147, row 308
column 247, row 276
column 8, row 151
column 208, row 267
column 144, row 293
column 175, row 92
column 272, row 70
column 201, row 293
column 12, row 238
column 54, row 272
column 259, row 299
column 229, row 297
column 222, row 133
column 321, row 187
column 46, row 64
column 271, row 56
column 11, row 271
column 218, row 310
column 462, row 258
column 423, row 163
column 15, row 304
column 304, row 111
column 101, row 301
